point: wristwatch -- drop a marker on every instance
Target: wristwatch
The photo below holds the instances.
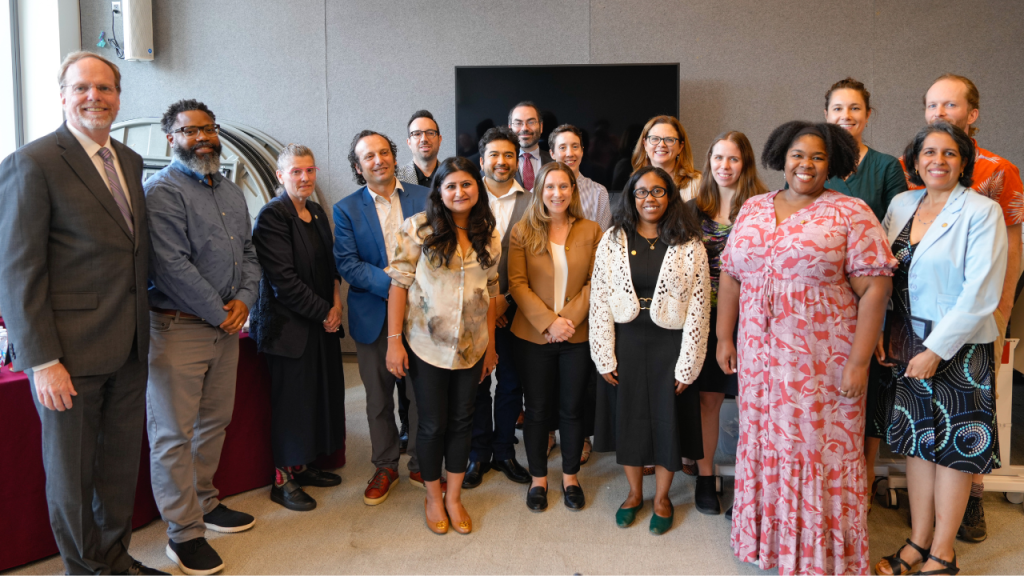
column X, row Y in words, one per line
column 508, row 299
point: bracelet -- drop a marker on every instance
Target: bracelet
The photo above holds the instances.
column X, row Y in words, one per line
column 395, row 335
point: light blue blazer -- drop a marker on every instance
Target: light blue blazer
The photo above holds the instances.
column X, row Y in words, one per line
column 956, row 276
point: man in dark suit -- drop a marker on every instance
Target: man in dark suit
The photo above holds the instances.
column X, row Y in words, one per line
column 524, row 119
column 365, row 224
column 493, row 443
column 73, row 292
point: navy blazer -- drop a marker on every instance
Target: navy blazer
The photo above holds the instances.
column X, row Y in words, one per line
column 286, row 303
column 361, row 256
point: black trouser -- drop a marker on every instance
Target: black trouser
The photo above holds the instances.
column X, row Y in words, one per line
column 554, row 378
column 445, row 400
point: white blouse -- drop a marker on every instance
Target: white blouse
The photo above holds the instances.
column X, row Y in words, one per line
column 561, row 266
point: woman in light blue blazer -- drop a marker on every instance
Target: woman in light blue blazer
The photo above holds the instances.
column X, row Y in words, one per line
column 940, row 406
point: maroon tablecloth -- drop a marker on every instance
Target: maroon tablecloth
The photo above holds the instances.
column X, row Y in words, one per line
column 246, row 462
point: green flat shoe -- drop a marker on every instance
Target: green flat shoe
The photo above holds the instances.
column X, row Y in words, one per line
column 624, row 517
column 659, row 524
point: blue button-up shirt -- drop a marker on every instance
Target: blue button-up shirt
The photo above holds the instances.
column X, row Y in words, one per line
column 201, row 236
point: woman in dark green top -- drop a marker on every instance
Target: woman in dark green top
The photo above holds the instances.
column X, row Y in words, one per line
column 879, row 177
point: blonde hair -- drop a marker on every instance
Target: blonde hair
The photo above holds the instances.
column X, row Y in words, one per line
column 74, row 57
column 532, row 229
column 683, row 172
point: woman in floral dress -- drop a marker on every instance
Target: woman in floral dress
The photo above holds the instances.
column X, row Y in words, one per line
column 810, row 270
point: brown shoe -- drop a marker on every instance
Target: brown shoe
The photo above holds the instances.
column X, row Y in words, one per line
column 648, row 470
column 464, row 527
column 435, row 527
column 380, row 486
column 416, row 479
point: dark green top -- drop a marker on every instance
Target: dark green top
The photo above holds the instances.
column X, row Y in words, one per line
column 877, row 180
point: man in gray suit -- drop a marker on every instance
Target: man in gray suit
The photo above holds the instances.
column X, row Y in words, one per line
column 73, row 291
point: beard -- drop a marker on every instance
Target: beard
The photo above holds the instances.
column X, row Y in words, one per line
column 206, row 164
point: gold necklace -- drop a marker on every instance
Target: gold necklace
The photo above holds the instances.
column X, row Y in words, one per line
column 651, row 244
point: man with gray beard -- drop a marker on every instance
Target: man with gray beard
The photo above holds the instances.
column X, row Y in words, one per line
column 202, row 282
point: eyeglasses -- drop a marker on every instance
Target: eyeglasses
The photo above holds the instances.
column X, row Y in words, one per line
column 190, row 131
column 298, row 172
column 83, row 88
column 422, row 133
column 531, row 123
column 655, row 140
column 657, row 192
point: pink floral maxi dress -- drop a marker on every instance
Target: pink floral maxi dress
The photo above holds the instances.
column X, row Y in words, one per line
column 800, row 476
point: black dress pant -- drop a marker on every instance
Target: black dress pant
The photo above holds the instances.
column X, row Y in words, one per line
column 445, row 400
column 555, row 379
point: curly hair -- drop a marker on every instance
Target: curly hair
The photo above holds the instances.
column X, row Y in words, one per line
column 963, row 143
column 842, row 150
column 353, row 160
column 678, row 225
column 442, row 241
column 171, row 115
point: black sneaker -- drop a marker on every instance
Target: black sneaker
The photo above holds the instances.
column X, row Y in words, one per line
column 973, row 527
column 195, row 556
column 139, row 568
column 316, row 477
column 224, row 519
column 705, row 498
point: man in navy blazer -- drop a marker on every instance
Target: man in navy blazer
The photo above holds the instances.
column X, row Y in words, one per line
column 365, row 225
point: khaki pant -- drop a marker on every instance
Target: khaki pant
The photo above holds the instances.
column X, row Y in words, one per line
column 1000, row 342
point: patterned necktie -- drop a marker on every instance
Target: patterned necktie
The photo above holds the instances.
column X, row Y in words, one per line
column 528, row 174
column 115, row 188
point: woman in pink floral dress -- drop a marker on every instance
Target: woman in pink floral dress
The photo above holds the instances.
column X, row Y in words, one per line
column 808, row 272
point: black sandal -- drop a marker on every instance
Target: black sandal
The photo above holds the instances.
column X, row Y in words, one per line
column 950, row 567
column 899, row 565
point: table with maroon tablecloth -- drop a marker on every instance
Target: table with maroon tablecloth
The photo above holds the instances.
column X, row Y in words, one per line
column 246, row 462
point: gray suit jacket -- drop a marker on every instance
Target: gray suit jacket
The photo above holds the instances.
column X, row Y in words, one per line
column 523, row 199
column 72, row 277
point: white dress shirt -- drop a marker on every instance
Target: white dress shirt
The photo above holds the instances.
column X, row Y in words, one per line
column 389, row 212
column 502, row 206
column 92, row 150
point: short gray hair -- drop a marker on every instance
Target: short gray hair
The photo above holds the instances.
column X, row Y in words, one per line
column 293, row 151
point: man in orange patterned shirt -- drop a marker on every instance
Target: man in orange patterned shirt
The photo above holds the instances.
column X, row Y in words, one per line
column 955, row 99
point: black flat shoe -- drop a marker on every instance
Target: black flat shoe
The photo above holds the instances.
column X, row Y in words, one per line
column 475, row 474
column 537, row 498
column 292, row 497
column 314, row 477
column 573, row 497
column 705, row 498
column 512, row 470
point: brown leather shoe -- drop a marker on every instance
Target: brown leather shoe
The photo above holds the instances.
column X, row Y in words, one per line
column 435, row 527
column 416, row 479
column 464, row 527
column 380, row 486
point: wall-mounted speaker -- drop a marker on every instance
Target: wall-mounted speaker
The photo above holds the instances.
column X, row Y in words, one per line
column 138, row 29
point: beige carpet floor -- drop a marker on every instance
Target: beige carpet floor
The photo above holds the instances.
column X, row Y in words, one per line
column 343, row 535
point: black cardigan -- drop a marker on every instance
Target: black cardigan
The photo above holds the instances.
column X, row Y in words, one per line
column 286, row 304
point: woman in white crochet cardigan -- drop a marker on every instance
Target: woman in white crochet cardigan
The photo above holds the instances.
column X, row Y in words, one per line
column 649, row 309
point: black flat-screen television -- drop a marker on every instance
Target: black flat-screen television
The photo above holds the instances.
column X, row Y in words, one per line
column 609, row 103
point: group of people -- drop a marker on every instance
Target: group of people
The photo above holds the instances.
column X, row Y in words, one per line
column 621, row 321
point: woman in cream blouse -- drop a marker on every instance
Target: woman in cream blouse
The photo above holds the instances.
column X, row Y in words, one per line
column 551, row 255
column 445, row 267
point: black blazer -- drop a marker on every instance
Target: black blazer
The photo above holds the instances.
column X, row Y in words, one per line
column 286, row 304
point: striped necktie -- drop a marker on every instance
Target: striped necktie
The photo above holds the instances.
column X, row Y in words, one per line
column 115, row 187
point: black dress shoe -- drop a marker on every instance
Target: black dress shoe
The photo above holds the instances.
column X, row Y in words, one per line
column 403, row 439
column 573, row 497
column 292, row 497
column 512, row 470
column 140, row 568
column 705, row 497
column 728, row 514
column 537, row 498
column 475, row 474
column 314, row 477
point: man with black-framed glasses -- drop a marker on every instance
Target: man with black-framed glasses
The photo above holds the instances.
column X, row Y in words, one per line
column 524, row 119
column 203, row 280
column 424, row 141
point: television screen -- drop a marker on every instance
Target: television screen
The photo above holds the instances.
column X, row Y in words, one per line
column 609, row 103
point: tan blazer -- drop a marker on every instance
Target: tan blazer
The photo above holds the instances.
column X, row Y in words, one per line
column 531, row 281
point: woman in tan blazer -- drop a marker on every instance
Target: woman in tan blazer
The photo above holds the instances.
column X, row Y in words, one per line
column 550, row 259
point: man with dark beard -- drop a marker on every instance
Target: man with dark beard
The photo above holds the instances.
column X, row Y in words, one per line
column 202, row 281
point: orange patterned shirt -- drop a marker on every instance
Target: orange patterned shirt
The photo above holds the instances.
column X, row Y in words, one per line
column 994, row 177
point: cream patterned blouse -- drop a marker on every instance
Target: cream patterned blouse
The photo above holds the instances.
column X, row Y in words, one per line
column 446, row 310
